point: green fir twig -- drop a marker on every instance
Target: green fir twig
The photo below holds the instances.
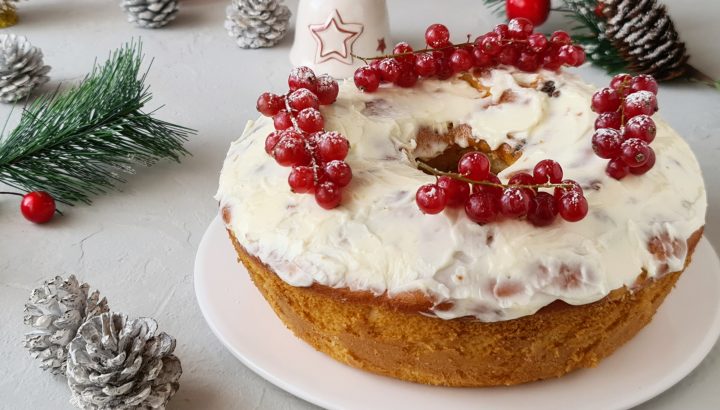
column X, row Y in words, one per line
column 75, row 144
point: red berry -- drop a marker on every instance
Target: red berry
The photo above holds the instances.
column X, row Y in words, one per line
column 456, row 191
column 542, row 210
column 367, row 79
column 644, row 82
column 572, row 186
column 573, row 56
column 521, row 178
column 640, row 103
column 648, row 165
column 431, row 199
column 536, row 11
column 37, row 207
column 606, row 143
column 328, row 195
column 310, row 120
column 501, row 30
column 605, row 100
column 332, row 146
column 480, row 59
column 303, row 98
column 617, row 168
column 389, row 70
column 550, row 60
column 437, row 36
column 635, row 152
column 443, row 66
column 302, row 77
column 338, row 172
column 425, row 65
column 520, row 28
column 491, row 44
column 600, row 10
column 272, row 139
column 282, row 120
column 495, row 191
column 327, row 89
column 474, row 165
column 509, row 55
column 560, row 38
column 621, row 83
column 291, row 150
column 641, row 127
column 407, row 78
column 528, row 61
column 537, row 42
column 301, row 180
column 482, row 208
column 573, row 206
column 404, row 48
column 270, row 104
column 461, row 60
column 609, row 120
column 547, row 171
column 515, row 202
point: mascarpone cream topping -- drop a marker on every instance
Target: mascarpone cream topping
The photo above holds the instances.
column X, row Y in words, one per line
column 378, row 240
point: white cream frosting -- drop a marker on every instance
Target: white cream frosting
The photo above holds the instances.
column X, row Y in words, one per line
column 378, row 240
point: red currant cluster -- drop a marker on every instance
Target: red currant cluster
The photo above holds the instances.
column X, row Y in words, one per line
column 512, row 44
column 486, row 199
column 624, row 128
column 299, row 140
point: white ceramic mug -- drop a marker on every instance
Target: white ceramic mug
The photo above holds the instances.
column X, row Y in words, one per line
column 329, row 32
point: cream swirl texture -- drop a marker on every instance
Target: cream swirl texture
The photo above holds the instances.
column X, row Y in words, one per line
column 379, row 241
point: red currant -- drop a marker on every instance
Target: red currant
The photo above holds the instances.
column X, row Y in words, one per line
column 404, row 48
column 495, row 191
column 537, row 42
column 456, row 191
column 621, row 83
column 635, row 152
column 431, row 199
column 640, row 103
column 282, row 120
column 407, row 78
column 571, row 55
column 270, row 104
column 302, row 77
column 482, row 208
column 547, row 171
column 606, row 143
column 520, row 28
column 332, row 146
column 474, row 166
column 437, row 36
column 543, row 210
column 272, row 139
column 301, row 180
column 389, row 69
column 38, row 207
column 367, row 79
column 515, row 202
column 570, row 185
column 648, row 165
column 491, row 44
column 310, row 120
column 461, row 60
column 528, row 62
column 644, row 82
column 328, row 195
column 605, row 100
column 509, row 55
column 573, row 206
column 327, row 89
column 425, row 65
column 551, row 61
column 338, row 172
column 521, row 178
column 536, row 11
column 609, row 120
column 641, row 127
column 560, row 38
column 617, row 168
column 291, row 150
column 480, row 59
column 501, row 30
column 443, row 68
column 303, row 98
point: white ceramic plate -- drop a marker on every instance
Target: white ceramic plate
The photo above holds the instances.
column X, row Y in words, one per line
column 682, row 333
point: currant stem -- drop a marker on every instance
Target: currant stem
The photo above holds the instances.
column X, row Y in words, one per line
column 424, row 50
column 434, row 171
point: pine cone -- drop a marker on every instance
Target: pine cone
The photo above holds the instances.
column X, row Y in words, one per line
column 21, row 68
column 116, row 363
column 645, row 36
column 55, row 311
column 257, row 23
column 150, row 13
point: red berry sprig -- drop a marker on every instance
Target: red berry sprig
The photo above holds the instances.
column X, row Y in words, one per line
column 512, row 44
column 38, row 207
column 486, row 199
column 300, row 140
column 624, row 128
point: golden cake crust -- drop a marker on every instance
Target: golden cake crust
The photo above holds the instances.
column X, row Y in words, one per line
column 392, row 336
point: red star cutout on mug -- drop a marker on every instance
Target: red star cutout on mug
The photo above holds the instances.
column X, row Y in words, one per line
column 335, row 39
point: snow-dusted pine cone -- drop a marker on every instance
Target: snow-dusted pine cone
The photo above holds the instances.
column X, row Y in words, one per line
column 150, row 13
column 257, row 23
column 116, row 363
column 55, row 311
column 21, row 68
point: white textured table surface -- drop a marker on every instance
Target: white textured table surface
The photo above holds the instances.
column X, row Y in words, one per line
column 138, row 245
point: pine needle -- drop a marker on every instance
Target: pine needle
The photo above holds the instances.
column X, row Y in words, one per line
column 75, row 144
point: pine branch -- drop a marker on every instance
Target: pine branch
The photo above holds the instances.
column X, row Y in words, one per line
column 75, row 144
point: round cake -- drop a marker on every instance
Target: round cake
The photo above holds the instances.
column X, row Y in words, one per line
column 442, row 300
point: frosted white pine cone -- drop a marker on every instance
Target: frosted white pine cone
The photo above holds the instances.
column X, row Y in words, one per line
column 55, row 311
column 257, row 23
column 150, row 13
column 21, row 68
column 117, row 363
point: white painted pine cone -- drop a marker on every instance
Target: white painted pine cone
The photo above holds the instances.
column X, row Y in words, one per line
column 150, row 13
column 21, row 68
column 257, row 23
